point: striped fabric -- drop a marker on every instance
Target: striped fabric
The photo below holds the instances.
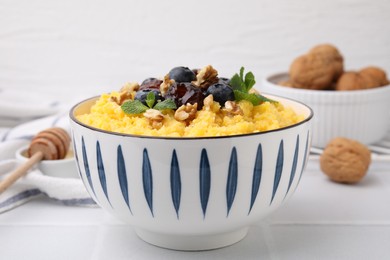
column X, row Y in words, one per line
column 67, row 191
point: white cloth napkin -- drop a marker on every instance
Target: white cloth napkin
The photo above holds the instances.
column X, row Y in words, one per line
column 69, row 191
column 20, row 106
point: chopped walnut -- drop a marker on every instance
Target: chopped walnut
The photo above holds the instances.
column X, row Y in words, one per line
column 125, row 93
column 186, row 112
column 154, row 114
column 130, row 87
column 208, row 102
column 167, row 82
column 233, row 108
column 155, row 117
column 206, row 77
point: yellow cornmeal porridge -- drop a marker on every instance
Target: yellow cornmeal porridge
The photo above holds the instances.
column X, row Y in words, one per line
column 209, row 121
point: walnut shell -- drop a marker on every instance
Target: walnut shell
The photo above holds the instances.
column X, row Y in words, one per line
column 374, row 77
column 332, row 55
column 308, row 72
column 350, row 80
column 370, row 77
column 317, row 69
column 345, row 160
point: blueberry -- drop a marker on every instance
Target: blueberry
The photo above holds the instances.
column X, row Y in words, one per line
column 221, row 93
column 182, row 74
column 224, row 81
column 142, row 94
column 151, row 83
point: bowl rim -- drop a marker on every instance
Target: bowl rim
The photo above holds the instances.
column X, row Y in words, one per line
column 333, row 93
column 19, row 156
column 75, row 120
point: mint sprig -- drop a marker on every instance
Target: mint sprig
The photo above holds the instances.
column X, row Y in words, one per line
column 137, row 107
column 166, row 104
column 243, row 84
column 150, row 99
column 133, row 107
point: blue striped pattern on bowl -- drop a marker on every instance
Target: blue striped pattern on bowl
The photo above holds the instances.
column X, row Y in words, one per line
column 205, row 175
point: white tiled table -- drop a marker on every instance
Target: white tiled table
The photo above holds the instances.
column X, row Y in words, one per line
column 323, row 220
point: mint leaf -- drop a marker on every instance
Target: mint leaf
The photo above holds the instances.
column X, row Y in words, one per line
column 241, row 95
column 150, row 99
column 241, row 82
column 242, row 74
column 241, row 86
column 255, row 99
column 136, row 106
column 235, row 82
column 249, row 81
column 265, row 99
column 133, row 107
column 166, row 104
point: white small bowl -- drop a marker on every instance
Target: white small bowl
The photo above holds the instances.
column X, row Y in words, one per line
column 191, row 193
column 362, row 115
column 64, row 168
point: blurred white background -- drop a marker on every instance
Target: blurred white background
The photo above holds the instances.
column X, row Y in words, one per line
column 77, row 48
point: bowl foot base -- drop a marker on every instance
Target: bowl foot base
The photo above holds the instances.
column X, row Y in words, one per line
column 192, row 242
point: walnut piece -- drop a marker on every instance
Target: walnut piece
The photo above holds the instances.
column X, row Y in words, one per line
column 167, row 82
column 206, row 77
column 186, row 112
column 125, row 93
column 233, row 108
column 130, row 87
column 208, row 102
column 155, row 117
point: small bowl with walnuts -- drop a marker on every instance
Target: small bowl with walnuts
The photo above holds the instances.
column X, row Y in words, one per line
column 352, row 104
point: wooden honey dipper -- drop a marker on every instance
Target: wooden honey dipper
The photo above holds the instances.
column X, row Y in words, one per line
column 50, row 144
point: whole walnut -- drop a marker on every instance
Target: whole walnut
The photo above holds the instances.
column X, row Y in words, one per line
column 374, row 77
column 350, row 80
column 370, row 77
column 332, row 55
column 345, row 160
column 317, row 69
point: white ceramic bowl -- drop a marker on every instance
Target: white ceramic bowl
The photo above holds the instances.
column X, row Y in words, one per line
column 65, row 168
column 362, row 115
column 191, row 193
